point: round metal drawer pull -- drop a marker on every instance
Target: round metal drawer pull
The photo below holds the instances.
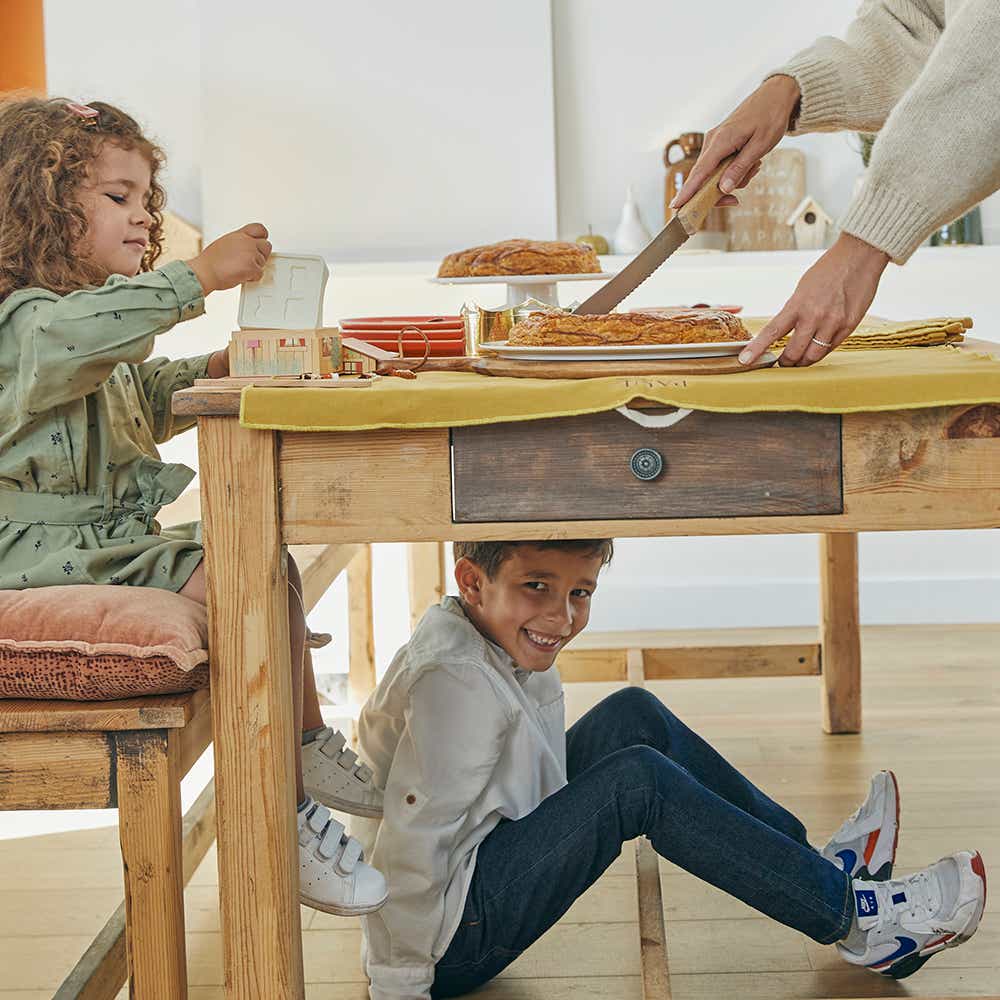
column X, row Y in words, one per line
column 646, row 464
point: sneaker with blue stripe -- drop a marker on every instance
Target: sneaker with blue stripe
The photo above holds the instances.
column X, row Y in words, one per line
column 907, row 920
column 865, row 844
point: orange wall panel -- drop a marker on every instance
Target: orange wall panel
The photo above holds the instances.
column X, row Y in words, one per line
column 22, row 46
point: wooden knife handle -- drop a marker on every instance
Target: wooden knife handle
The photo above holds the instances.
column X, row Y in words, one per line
column 694, row 212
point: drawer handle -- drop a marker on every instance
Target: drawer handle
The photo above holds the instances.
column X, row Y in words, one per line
column 653, row 419
column 646, row 464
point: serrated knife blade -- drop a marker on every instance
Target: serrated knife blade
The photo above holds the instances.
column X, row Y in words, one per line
column 671, row 237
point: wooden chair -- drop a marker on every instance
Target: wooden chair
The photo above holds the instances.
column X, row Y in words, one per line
column 131, row 755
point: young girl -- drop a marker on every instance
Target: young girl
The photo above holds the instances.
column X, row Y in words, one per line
column 82, row 410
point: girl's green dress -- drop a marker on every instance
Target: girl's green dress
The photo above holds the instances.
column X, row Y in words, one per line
column 81, row 413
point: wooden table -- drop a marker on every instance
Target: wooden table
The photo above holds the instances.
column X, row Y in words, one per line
column 568, row 477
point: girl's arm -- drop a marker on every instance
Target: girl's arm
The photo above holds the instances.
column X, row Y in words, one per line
column 454, row 732
column 67, row 346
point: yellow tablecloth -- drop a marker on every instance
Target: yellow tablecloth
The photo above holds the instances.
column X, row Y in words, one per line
column 845, row 382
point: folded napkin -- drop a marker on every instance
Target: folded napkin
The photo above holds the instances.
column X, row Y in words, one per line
column 875, row 332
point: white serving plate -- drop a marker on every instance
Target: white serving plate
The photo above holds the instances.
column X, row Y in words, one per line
column 524, row 279
column 626, row 352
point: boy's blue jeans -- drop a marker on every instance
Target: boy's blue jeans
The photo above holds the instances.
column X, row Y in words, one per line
column 635, row 769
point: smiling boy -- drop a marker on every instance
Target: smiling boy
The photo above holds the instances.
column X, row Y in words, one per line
column 496, row 819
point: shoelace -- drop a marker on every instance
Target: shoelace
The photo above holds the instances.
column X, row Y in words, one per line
column 921, row 897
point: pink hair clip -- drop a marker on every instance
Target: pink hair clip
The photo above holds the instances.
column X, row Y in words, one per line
column 84, row 111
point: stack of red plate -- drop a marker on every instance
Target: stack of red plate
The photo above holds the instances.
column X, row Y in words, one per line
column 445, row 334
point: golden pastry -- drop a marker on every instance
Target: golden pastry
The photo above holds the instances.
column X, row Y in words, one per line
column 520, row 257
column 664, row 326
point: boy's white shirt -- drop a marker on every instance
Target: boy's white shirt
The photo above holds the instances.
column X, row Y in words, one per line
column 459, row 738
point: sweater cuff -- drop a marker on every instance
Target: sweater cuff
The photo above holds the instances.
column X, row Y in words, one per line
column 190, row 294
column 887, row 220
column 822, row 105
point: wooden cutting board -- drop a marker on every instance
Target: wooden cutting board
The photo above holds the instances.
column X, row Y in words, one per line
column 760, row 220
column 608, row 369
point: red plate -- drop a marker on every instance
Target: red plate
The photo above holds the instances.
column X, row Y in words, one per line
column 397, row 322
column 413, row 346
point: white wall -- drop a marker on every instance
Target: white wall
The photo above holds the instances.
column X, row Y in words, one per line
column 362, row 131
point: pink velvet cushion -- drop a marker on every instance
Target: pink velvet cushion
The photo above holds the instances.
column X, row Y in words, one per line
column 98, row 643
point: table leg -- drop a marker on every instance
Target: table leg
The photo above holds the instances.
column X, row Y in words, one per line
column 252, row 717
column 840, row 635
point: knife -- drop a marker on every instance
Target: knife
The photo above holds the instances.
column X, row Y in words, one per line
column 685, row 223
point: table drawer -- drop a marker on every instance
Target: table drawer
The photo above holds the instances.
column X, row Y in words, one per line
column 603, row 466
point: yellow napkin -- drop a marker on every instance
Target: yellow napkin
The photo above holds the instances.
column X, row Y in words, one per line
column 874, row 332
column 845, row 382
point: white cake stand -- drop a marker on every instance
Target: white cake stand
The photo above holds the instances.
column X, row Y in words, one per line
column 520, row 287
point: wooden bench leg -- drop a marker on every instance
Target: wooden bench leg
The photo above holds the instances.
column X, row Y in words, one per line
column 149, row 824
column 427, row 583
column 840, row 634
column 360, row 627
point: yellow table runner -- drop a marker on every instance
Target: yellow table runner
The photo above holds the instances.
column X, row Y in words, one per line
column 845, row 382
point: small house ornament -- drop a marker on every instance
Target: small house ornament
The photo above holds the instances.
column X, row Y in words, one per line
column 809, row 222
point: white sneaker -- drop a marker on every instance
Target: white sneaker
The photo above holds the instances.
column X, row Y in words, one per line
column 907, row 920
column 865, row 844
column 334, row 776
column 333, row 876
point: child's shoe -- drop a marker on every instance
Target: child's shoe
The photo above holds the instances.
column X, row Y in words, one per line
column 865, row 844
column 332, row 873
column 907, row 920
column 334, row 776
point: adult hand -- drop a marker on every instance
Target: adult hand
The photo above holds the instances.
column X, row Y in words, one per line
column 829, row 302
column 232, row 259
column 751, row 131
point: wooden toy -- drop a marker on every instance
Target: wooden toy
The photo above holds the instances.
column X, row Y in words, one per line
column 281, row 334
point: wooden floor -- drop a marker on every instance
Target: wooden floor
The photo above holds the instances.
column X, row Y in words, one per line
column 932, row 713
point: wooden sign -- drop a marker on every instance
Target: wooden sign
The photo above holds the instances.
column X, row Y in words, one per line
column 760, row 221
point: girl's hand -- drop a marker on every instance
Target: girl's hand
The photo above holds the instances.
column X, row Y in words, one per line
column 751, row 131
column 232, row 259
column 829, row 302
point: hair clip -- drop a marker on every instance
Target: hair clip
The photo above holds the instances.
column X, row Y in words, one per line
column 83, row 111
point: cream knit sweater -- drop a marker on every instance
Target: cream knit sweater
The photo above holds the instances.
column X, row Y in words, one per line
column 925, row 75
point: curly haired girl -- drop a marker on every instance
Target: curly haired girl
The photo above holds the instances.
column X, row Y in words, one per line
column 82, row 408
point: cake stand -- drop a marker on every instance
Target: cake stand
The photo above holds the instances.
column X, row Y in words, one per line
column 520, row 287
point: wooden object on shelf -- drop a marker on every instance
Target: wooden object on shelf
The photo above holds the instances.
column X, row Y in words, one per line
column 809, row 224
column 181, row 239
column 712, row 235
column 512, row 368
column 760, row 220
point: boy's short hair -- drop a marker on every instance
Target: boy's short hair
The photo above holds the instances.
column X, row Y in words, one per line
column 489, row 556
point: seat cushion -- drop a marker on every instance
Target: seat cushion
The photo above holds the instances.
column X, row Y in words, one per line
column 99, row 643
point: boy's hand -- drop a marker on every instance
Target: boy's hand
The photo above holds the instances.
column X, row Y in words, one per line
column 232, row 259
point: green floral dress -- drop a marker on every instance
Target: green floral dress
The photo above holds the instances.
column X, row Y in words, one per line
column 81, row 413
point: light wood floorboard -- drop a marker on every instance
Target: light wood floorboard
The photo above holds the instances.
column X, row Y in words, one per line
column 932, row 713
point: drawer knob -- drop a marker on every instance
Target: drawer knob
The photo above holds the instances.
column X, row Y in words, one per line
column 646, row 464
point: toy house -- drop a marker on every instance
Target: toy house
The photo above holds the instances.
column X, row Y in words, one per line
column 281, row 332
column 810, row 224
